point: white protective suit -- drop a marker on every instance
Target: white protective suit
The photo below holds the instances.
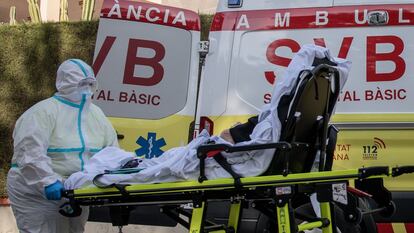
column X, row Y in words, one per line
column 182, row 163
column 53, row 139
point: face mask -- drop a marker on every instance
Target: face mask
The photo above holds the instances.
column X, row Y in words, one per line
column 85, row 90
column 78, row 95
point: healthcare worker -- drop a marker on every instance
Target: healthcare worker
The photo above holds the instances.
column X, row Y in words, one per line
column 53, row 139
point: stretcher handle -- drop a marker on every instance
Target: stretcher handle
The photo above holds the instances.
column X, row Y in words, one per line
column 67, row 193
column 373, row 171
column 398, row 171
column 70, row 208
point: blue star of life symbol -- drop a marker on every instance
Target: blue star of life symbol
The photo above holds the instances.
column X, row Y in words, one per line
column 150, row 147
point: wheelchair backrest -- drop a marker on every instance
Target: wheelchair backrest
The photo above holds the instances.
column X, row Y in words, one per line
column 304, row 114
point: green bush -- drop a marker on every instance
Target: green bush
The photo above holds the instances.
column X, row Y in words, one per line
column 30, row 55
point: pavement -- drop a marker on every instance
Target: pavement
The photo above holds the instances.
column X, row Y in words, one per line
column 8, row 225
column 7, row 221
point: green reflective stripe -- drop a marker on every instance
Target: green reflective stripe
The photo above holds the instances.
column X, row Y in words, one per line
column 14, row 165
column 67, row 102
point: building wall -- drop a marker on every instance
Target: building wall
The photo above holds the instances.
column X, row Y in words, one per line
column 49, row 10
column 22, row 12
column 75, row 8
column 202, row 6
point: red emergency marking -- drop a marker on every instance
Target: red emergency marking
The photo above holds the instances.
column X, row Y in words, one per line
column 133, row 98
column 278, row 60
column 388, row 94
column 345, row 46
column 385, row 228
column 151, row 13
column 301, row 18
column 394, row 56
column 267, row 98
column 153, row 62
column 103, row 52
column 409, row 227
column 270, row 77
column 373, row 56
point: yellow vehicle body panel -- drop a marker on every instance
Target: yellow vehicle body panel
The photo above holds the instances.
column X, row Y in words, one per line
column 174, row 130
column 362, row 147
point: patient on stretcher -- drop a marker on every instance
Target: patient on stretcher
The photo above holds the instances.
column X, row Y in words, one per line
column 181, row 163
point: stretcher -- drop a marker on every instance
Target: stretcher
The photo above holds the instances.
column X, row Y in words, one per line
column 302, row 148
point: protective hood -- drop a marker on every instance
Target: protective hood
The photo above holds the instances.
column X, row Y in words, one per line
column 74, row 79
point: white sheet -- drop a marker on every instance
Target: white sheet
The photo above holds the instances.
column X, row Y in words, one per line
column 181, row 163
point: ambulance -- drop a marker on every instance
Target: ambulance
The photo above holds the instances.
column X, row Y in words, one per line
column 160, row 85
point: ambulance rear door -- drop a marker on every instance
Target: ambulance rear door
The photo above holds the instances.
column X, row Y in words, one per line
column 375, row 110
column 251, row 46
column 248, row 50
column 146, row 62
column 375, row 113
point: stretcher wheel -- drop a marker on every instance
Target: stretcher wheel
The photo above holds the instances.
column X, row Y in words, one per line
column 354, row 217
column 340, row 219
column 389, row 210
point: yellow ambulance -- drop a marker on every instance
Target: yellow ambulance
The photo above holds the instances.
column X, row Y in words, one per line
column 147, row 63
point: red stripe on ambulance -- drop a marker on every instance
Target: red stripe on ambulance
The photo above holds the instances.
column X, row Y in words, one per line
column 409, row 227
column 151, row 13
column 385, row 228
column 301, row 18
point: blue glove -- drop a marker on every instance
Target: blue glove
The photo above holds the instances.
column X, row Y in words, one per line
column 54, row 191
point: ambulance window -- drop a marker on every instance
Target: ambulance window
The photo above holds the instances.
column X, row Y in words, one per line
column 253, row 69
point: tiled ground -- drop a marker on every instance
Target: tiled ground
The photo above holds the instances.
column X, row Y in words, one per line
column 8, row 225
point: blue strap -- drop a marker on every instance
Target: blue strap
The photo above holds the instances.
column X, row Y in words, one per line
column 67, row 102
column 95, row 150
column 80, row 131
column 63, row 150
column 14, row 165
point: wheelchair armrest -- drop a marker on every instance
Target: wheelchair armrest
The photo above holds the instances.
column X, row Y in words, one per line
column 211, row 150
column 277, row 145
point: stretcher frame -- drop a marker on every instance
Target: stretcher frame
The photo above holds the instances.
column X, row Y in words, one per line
column 279, row 189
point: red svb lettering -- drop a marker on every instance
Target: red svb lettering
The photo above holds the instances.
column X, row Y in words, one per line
column 294, row 46
column 394, row 56
column 153, row 62
column 132, row 59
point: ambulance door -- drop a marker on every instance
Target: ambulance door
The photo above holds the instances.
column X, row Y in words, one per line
column 375, row 110
column 146, row 62
column 250, row 46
